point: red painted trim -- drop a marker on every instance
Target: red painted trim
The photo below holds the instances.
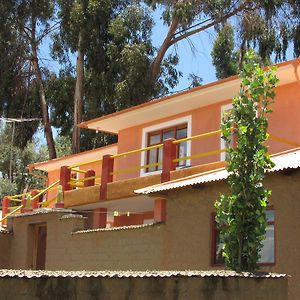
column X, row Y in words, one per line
column 160, row 207
column 65, row 177
column 100, row 218
column 34, row 202
column 90, row 182
column 106, row 177
column 169, row 154
column 5, row 206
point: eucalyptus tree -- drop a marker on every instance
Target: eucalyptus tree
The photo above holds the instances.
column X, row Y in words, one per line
column 34, row 20
column 267, row 26
column 112, row 41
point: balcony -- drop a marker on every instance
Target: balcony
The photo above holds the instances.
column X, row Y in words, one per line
column 109, row 197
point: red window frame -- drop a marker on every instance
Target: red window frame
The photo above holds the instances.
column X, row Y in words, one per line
column 214, row 239
column 161, row 132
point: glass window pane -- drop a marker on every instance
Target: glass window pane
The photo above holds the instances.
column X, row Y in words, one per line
column 182, row 153
column 270, row 215
column 168, row 134
column 154, row 139
column 267, row 252
column 159, row 158
column 181, row 133
column 219, row 249
column 152, row 159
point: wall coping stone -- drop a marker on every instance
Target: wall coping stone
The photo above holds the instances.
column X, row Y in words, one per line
column 139, row 274
column 117, row 228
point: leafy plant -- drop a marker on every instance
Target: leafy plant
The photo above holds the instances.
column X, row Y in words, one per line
column 241, row 213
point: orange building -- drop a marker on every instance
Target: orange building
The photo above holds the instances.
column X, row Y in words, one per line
column 167, row 168
column 192, row 117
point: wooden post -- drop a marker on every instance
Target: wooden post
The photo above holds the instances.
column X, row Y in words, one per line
column 99, row 218
column 5, row 207
column 106, row 176
column 160, row 207
column 169, row 154
column 90, row 182
column 34, row 202
column 23, row 202
column 65, row 177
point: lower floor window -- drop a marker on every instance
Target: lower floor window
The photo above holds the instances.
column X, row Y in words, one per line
column 267, row 254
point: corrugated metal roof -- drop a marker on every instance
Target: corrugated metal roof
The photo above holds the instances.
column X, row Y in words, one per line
column 131, row 227
column 285, row 160
column 139, row 274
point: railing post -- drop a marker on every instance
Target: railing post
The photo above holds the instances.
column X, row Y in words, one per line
column 160, row 207
column 23, row 202
column 169, row 154
column 34, row 202
column 106, row 176
column 5, row 207
column 89, row 182
column 65, row 177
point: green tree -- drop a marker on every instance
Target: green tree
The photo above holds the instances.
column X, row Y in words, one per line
column 27, row 24
column 267, row 26
column 224, row 56
column 14, row 177
column 117, row 53
column 241, row 213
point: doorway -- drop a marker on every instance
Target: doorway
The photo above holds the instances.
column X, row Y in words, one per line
column 39, row 246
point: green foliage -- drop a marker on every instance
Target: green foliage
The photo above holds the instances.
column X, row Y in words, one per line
column 241, row 214
column 18, row 159
column 223, row 55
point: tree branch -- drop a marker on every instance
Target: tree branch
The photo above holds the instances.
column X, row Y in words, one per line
column 223, row 18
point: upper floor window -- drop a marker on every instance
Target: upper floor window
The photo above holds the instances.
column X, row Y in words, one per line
column 267, row 253
column 157, row 137
column 153, row 135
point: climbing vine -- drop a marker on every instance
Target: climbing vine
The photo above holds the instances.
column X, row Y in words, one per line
column 241, row 213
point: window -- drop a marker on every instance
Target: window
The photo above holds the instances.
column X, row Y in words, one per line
column 157, row 137
column 225, row 110
column 153, row 135
column 267, row 252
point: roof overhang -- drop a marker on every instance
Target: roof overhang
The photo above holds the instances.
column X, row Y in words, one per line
column 287, row 72
column 74, row 159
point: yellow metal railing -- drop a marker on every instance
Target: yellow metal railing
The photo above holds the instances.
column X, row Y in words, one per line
column 10, row 214
column 45, row 191
column 16, row 209
column 79, row 183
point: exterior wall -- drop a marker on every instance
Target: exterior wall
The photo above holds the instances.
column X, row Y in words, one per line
column 4, row 250
column 146, row 288
column 283, row 122
column 182, row 243
column 52, row 177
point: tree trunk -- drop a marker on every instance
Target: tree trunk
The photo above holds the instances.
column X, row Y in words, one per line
column 44, row 106
column 156, row 64
column 78, row 96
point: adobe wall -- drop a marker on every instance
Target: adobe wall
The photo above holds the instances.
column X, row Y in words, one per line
column 5, row 239
column 183, row 242
column 136, row 288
